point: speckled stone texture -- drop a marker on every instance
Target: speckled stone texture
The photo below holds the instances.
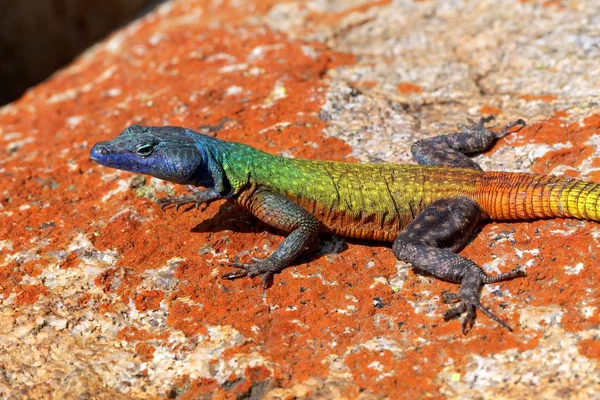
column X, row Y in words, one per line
column 103, row 295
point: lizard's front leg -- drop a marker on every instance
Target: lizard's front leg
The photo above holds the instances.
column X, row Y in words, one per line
column 198, row 197
column 429, row 243
column 282, row 213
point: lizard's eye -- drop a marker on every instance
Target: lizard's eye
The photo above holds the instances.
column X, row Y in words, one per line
column 144, row 150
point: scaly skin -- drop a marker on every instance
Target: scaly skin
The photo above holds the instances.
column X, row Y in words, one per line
column 427, row 210
column 356, row 200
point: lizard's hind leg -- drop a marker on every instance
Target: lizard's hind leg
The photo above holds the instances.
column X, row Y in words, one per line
column 450, row 150
column 429, row 243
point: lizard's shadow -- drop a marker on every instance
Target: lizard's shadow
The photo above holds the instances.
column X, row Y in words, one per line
column 234, row 218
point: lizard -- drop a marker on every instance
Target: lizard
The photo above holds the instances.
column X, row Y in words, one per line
column 427, row 210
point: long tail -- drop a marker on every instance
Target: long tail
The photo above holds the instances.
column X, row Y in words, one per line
column 517, row 196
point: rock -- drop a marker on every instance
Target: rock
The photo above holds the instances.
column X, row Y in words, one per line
column 138, row 311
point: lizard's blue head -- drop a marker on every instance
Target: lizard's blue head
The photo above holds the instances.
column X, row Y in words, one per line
column 168, row 152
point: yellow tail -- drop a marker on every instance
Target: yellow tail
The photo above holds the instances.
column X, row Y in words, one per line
column 518, row 196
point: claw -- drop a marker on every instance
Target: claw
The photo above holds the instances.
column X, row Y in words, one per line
column 165, row 202
column 507, row 128
column 234, row 275
column 449, row 298
column 267, row 281
column 472, row 125
column 485, row 120
column 264, row 268
column 455, row 312
column 197, row 198
column 470, row 307
column 469, row 321
column 468, row 299
column 491, row 316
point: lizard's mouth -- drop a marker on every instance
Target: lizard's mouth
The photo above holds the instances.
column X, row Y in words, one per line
column 104, row 154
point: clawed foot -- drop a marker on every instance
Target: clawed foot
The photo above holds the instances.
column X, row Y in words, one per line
column 470, row 304
column 475, row 126
column 266, row 268
column 179, row 201
column 197, row 198
column 468, row 299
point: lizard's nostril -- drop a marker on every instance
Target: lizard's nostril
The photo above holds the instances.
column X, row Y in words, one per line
column 98, row 151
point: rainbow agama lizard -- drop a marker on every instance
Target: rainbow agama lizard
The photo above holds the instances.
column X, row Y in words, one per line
column 428, row 210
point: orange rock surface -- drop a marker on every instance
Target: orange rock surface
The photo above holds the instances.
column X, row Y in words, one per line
column 104, row 294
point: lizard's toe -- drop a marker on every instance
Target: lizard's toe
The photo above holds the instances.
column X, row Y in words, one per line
column 235, row 275
column 469, row 302
column 470, row 305
column 455, row 312
column 264, row 268
column 476, row 127
column 165, row 202
column 249, row 269
column 450, row 298
column 469, row 320
column 485, row 120
column 508, row 127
